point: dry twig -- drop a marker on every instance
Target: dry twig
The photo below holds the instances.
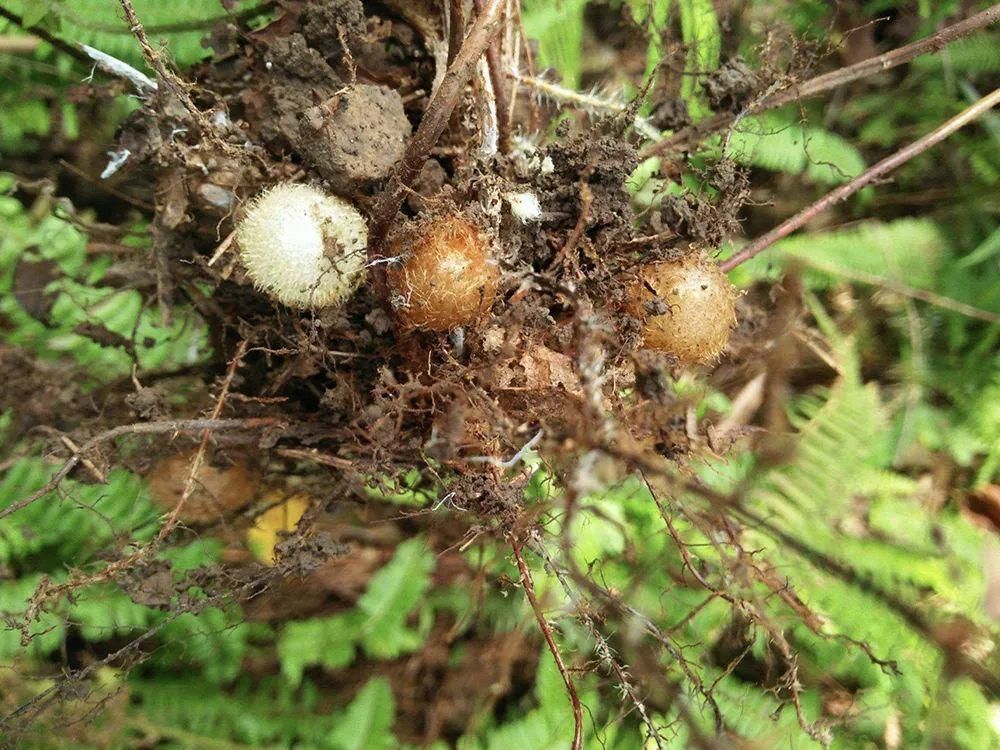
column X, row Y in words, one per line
column 934, row 43
column 495, row 63
column 529, row 591
column 199, row 457
column 869, row 176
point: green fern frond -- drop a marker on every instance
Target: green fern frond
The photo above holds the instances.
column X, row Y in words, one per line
column 973, row 55
column 72, row 526
column 77, row 302
column 264, row 714
column 700, row 33
column 367, row 722
column 778, row 144
column 909, row 251
column 377, row 625
column 830, row 448
column 557, row 25
column 180, row 24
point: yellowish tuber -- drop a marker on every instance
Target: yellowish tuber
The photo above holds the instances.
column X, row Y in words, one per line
column 687, row 308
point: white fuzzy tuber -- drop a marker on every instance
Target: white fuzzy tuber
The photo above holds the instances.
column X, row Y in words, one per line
column 302, row 246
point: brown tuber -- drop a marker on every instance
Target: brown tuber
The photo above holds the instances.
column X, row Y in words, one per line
column 446, row 276
column 687, row 308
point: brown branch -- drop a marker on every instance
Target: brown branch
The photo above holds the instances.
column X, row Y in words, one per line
column 529, row 591
column 869, row 176
column 456, row 28
column 432, row 125
column 140, row 428
column 934, row 43
column 199, row 457
column 586, row 201
column 168, row 78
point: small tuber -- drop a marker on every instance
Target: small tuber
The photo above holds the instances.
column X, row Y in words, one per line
column 446, row 277
column 687, row 308
column 302, row 246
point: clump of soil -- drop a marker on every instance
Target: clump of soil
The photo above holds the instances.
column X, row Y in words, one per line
column 354, row 138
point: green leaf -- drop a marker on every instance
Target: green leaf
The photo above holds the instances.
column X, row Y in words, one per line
column 557, row 25
column 367, row 723
column 910, row 251
column 780, row 144
column 327, row 642
column 378, row 624
column 392, row 594
column 700, row 32
column 986, row 249
column 34, row 14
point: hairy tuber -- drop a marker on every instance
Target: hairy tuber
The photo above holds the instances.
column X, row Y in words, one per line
column 302, row 246
column 687, row 308
column 446, row 276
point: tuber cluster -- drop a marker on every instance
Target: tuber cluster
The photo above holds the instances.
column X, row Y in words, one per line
column 307, row 250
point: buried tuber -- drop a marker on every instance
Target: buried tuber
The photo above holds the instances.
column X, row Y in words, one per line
column 687, row 308
column 445, row 277
column 302, row 246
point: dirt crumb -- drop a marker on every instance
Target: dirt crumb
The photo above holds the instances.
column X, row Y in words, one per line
column 326, row 22
column 671, row 114
column 731, row 86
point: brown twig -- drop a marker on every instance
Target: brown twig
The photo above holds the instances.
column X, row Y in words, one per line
column 934, row 43
column 456, row 28
column 432, row 125
column 222, row 248
column 140, row 428
column 586, row 200
column 869, row 176
column 199, row 457
column 110, row 190
column 165, row 75
column 529, row 591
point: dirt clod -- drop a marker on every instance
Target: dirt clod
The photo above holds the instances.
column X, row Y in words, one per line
column 354, row 138
column 731, row 86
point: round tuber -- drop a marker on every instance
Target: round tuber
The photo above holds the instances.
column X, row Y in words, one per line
column 302, row 246
column 687, row 308
column 446, row 277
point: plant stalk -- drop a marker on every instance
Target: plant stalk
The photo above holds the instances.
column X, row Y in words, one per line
column 848, row 189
